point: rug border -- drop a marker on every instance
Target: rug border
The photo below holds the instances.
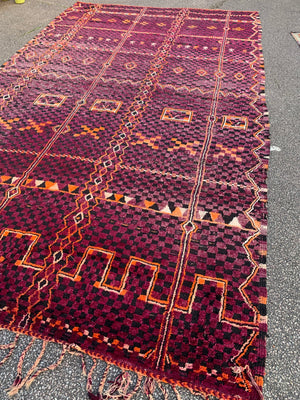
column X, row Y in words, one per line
column 161, row 8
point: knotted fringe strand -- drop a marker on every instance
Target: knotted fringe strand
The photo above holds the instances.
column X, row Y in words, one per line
column 102, row 381
column 177, row 394
column 164, row 391
column 89, row 381
column 14, row 387
column 75, row 350
column 33, row 372
column 49, row 368
column 118, row 389
column 19, row 381
column 11, row 346
column 149, row 387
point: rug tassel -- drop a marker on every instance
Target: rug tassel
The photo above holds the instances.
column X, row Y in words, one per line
column 15, row 387
column 118, row 388
column 136, row 388
column 89, row 382
column 19, row 382
column 103, row 379
column 11, row 346
column 177, row 394
column 50, row 368
column 149, row 387
column 164, row 391
column 121, row 385
column 76, row 350
column 83, row 365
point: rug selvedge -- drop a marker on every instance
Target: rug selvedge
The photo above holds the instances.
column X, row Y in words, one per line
column 187, row 276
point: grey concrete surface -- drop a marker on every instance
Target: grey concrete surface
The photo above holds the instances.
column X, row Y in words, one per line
column 19, row 23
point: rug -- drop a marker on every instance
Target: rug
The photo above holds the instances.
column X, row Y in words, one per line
column 134, row 154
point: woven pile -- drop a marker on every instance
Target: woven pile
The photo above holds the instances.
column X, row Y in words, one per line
column 134, row 152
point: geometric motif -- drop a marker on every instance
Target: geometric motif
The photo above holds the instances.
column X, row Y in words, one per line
column 231, row 152
column 201, row 72
column 144, row 140
column 88, row 61
column 92, row 132
column 188, row 146
column 50, row 100
column 239, row 76
column 178, row 70
column 130, row 65
column 234, row 122
column 32, row 239
column 174, row 114
column 112, row 106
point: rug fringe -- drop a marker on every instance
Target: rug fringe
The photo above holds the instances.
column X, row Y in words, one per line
column 163, row 390
column 177, row 394
column 89, row 381
column 11, row 346
column 49, row 368
column 122, row 387
column 149, row 387
column 137, row 386
column 75, row 350
column 19, row 381
column 33, row 372
column 118, row 389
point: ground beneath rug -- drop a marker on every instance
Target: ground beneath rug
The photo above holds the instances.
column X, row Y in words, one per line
column 134, row 151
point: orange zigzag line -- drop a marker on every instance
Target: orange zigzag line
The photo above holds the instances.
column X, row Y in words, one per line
column 184, row 87
column 66, row 74
column 247, row 212
column 237, row 96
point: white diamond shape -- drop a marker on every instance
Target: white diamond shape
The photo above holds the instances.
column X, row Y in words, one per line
column 57, row 256
column 189, row 226
column 98, row 180
column 107, row 163
column 78, row 217
column 42, row 284
column 89, row 197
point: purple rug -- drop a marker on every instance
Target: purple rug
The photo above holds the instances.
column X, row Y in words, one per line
column 134, row 153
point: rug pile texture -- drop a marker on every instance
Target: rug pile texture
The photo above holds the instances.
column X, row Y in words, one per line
column 134, row 152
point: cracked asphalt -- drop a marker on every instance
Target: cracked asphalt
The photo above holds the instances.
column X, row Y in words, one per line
column 19, row 23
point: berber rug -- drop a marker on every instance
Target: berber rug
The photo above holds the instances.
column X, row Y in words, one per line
column 134, row 153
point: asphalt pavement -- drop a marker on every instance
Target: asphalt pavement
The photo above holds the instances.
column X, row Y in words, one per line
column 20, row 23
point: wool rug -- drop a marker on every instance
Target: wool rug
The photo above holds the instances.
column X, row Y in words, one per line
column 134, row 153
